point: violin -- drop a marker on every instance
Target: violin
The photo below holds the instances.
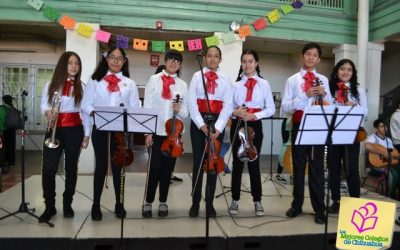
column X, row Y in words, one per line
column 319, row 99
column 123, row 155
column 172, row 146
column 246, row 151
column 213, row 161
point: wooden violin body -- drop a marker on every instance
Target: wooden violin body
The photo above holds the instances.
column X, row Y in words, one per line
column 246, row 151
column 123, row 155
column 172, row 146
column 319, row 100
column 213, row 162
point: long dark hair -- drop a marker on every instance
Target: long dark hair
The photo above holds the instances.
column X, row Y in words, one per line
column 333, row 81
column 60, row 77
column 102, row 67
column 255, row 55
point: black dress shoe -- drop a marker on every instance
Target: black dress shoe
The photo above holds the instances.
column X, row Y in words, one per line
column 194, row 211
column 292, row 212
column 175, row 178
column 319, row 219
column 96, row 212
column 334, row 208
column 68, row 211
column 120, row 211
column 47, row 214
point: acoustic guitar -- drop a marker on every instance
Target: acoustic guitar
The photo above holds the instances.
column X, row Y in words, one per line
column 378, row 161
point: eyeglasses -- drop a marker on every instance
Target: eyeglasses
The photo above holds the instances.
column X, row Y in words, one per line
column 174, row 61
column 116, row 59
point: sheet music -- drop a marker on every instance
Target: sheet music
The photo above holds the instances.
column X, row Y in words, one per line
column 314, row 125
column 140, row 120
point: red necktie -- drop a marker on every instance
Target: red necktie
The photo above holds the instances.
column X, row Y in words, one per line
column 341, row 93
column 167, row 81
column 112, row 83
column 67, row 87
column 251, row 82
column 211, row 83
column 309, row 78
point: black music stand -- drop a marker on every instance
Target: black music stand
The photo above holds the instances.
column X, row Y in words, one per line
column 122, row 119
column 270, row 177
column 329, row 125
column 23, row 208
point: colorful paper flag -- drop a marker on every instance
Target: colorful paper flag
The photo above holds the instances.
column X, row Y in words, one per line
column 85, row 30
column 273, row 16
column 194, row 44
column 67, row 22
column 158, row 46
column 51, row 13
column 287, row 8
column 36, row 4
column 176, row 45
column 103, row 36
column 260, row 24
column 122, row 41
column 140, row 44
column 212, row 41
column 229, row 37
column 244, row 31
column 298, row 4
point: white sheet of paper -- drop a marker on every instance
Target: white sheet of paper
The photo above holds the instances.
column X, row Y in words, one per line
column 140, row 120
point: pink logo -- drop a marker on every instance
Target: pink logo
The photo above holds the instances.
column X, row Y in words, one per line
column 363, row 218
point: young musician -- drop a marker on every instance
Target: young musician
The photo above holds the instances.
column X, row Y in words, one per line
column 300, row 93
column 160, row 93
column 110, row 86
column 219, row 90
column 65, row 121
column 372, row 144
column 253, row 100
column 346, row 92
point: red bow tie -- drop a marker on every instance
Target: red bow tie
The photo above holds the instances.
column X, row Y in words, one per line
column 113, row 81
column 309, row 78
column 167, row 81
column 67, row 87
column 211, row 83
column 341, row 93
column 251, row 82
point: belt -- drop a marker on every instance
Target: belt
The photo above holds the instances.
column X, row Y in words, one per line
column 69, row 119
column 215, row 105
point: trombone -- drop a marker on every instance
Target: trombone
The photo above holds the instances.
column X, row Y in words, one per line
column 52, row 142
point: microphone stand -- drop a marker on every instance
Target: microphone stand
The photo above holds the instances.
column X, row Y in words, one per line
column 23, row 208
column 209, row 120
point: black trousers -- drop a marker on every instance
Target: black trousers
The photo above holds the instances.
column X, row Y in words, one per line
column 314, row 156
column 100, row 146
column 160, row 171
column 70, row 139
column 198, row 139
column 253, row 167
column 345, row 156
column 9, row 141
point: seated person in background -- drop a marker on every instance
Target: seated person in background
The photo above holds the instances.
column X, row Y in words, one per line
column 377, row 144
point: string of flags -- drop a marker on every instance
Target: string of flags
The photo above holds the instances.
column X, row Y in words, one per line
column 122, row 41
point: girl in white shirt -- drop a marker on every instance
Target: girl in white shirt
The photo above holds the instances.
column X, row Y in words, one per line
column 252, row 98
column 161, row 91
column 65, row 88
column 110, row 86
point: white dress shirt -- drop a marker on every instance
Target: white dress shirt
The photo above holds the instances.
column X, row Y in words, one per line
column 294, row 97
column 261, row 99
column 153, row 99
column 223, row 92
column 96, row 94
column 67, row 105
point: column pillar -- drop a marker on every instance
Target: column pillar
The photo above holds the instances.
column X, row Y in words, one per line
column 88, row 50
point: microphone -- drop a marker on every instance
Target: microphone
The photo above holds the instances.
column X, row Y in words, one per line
column 121, row 104
column 199, row 56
